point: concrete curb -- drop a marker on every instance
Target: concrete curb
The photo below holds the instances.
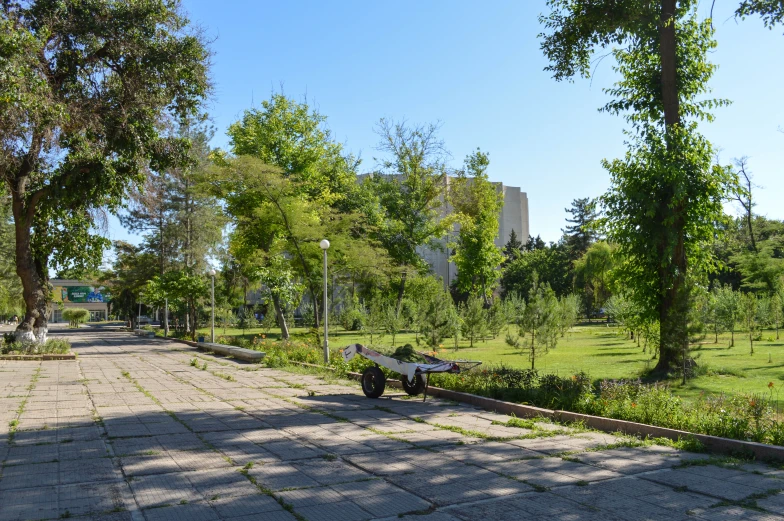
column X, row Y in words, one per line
column 238, row 353
column 38, row 357
column 761, row 451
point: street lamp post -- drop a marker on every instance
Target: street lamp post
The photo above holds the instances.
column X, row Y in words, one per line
column 139, row 317
column 212, row 326
column 325, row 246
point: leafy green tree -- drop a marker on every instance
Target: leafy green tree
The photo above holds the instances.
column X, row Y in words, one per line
column 76, row 316
column 294, row 138
column 291, row 181
column 474, row 319
column 728, row 308
column 373, row 318
column 777, row 310
column 712, row 318
column 407, row 206
column 496, row 317
column 184, row 289
column 666, row 195
column 551, row 264
column 132, row 268
column 394, row 322
column 85, row 88
column 477, row 203
column 752, row 314
column 568, row 311
column 581, row 232
column 540, row 321
column 593, row 275
column 771, row 11
column 437, row 317
column 280, row 289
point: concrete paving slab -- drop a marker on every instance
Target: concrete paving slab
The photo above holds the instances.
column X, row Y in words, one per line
column 179, row 436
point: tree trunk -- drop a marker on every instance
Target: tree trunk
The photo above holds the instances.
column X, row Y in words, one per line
column 533, row 348
column 667, row 55
column 672, row 315
column 401, row 292
column 284, row 328
column 673, row 308
column 192, row 318
column 35, row 282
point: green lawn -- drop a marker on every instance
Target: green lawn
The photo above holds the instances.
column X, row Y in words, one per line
column 603, row 353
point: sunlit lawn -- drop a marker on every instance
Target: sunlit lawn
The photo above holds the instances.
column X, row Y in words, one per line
column 604, row 353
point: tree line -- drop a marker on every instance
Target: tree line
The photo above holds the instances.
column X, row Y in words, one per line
column 89, row 116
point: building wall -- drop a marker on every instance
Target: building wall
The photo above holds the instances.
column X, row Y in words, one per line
column 77, row 294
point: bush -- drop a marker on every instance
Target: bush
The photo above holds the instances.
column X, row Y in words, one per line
column 743, row 417
column 76, row 316
column 58, row 346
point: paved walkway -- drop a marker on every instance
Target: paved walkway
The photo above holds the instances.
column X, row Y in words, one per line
column 151, row 430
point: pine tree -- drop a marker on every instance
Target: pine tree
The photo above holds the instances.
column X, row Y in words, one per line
column 579, row 235
column 513, row 248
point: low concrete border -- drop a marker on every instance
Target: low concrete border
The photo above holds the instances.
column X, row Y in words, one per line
column 249, row 355
column 761, row 451
column 240, row 353
column 38, row 357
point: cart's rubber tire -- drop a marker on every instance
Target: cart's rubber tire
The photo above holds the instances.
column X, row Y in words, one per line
column 413, row 389
column 373, row 382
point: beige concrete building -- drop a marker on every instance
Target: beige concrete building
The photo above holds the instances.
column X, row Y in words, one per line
column 77, row 294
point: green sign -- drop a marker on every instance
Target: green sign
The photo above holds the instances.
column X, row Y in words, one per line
column 78, row 293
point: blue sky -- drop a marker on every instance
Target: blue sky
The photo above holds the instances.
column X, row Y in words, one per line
column 476, row 67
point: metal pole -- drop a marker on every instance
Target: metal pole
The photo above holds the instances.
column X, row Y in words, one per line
column 212, row 329
column 166, row 318
column 326, row 314
column 139, row 317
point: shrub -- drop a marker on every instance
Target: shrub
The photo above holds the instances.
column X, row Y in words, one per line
column 743, row 417
column 76, row 316
column 58, row 346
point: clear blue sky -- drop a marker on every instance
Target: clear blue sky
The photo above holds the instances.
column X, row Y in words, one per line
column 477, row 68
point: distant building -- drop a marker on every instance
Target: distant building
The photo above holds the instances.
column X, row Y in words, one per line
column 77, row 294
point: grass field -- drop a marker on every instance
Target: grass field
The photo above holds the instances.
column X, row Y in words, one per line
column 604, row 353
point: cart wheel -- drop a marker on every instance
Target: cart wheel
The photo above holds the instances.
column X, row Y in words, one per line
column 415, row 388
column 373, row 382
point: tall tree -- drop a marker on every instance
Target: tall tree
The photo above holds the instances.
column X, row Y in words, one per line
column 409, row 194
column 580, row 233
column 477, row 204
column 312, row 166
column 85, row 87
column 665, row 195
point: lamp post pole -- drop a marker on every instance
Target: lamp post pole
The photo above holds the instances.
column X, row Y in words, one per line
column 166, row 318
column 212, row 293
column 325, row 246
column 139, row 317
